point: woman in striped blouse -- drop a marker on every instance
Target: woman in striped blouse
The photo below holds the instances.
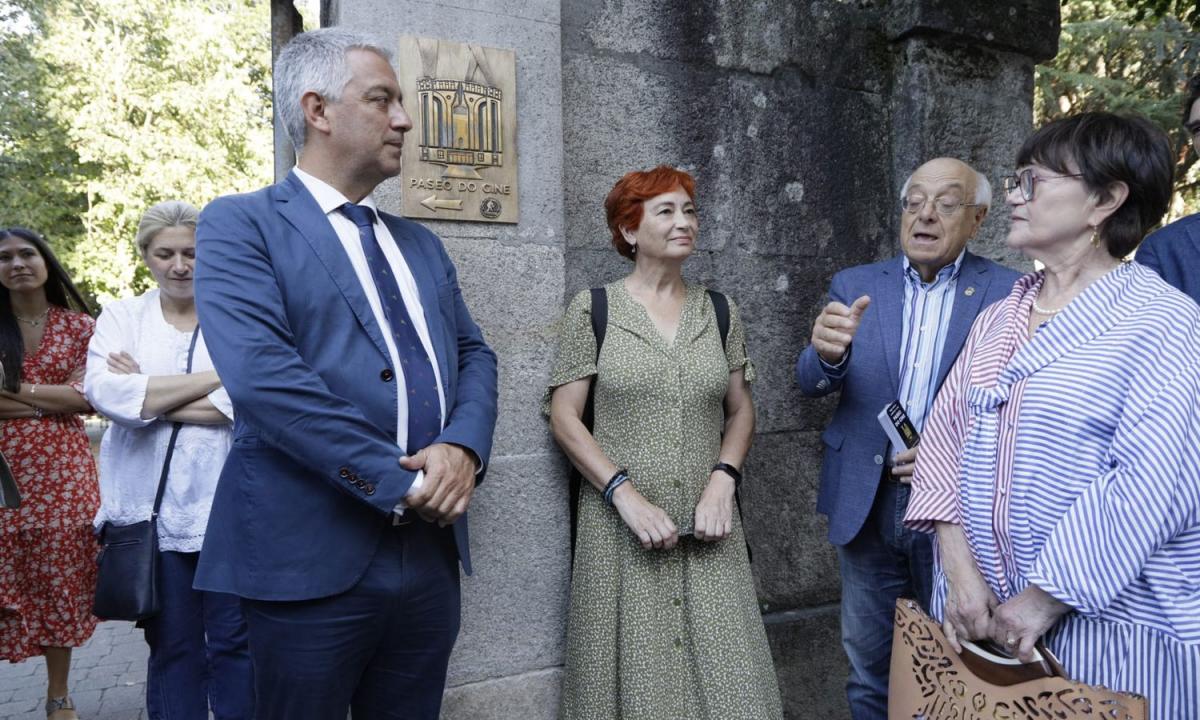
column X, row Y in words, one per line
column 1060, row 468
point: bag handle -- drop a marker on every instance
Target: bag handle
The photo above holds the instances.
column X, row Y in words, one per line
column 162, row 479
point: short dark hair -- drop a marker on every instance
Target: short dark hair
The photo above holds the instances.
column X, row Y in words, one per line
column 1193, row 94
column 1105, row 148
column 59, row 291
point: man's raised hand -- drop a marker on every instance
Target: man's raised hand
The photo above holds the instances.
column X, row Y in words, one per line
column 835, row 327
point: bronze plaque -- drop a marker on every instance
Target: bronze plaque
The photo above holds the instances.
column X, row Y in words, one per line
column 460, row 159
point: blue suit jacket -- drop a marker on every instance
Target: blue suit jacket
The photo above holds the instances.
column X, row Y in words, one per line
column 855, row 445
column 1174, row 253
column 312, row 478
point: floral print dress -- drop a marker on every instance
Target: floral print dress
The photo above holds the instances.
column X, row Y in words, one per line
column 47, row 550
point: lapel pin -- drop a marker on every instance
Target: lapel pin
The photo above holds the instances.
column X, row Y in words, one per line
column 969, row 291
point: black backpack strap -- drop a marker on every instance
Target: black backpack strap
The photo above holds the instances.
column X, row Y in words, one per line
column 720, row 305
column 599, row 315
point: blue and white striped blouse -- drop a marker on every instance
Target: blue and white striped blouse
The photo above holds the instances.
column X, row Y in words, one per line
column 1072, row 461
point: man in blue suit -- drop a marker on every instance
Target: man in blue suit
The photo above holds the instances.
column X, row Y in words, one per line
column 366, row 400
column 1174, row 251
column 890, row 332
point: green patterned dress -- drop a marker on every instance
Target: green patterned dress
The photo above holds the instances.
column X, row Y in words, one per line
column 654, row 634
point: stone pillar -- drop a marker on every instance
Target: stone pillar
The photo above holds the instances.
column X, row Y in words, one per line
column 285, row 25
column 508, row 660
column 964, row 87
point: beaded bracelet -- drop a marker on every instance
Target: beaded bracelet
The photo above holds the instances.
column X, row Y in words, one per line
column 616, row 481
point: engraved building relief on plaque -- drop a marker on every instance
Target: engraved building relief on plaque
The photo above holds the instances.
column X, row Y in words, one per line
column 460, row 156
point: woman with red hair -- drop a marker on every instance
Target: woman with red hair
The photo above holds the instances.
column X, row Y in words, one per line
column 664, row 622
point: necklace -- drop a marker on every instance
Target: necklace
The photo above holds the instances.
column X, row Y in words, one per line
column 33, row 322
column 1043, row 311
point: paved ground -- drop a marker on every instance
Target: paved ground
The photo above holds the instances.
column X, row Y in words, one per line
column 108, row 679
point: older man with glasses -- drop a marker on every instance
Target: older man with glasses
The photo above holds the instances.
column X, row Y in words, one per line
column 1174, row 251
column 890, row 332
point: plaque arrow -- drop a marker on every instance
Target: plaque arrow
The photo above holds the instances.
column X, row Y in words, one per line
column 433, row 203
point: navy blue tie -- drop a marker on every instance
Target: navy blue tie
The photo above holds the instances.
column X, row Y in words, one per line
column 424, row 409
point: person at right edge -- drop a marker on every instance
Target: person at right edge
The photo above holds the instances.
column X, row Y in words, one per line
column 1174, row 251
column 663, row 622
column 890, row 332
column 1060, row 469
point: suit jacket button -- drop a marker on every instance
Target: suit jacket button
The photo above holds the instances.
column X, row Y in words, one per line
column 878, row 459
column 344, row 472
column 822, row 384
column 386, row 375
column 370, row 490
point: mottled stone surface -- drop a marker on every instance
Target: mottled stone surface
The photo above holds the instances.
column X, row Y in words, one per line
column 793, row 565
column 529, row 696
column 809, row 662
column 514, row 606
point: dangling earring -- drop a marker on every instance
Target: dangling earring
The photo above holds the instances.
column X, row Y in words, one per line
column 1096, row 237
column 633, row 248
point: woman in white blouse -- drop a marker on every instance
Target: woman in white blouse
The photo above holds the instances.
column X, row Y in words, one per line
column 137, row 377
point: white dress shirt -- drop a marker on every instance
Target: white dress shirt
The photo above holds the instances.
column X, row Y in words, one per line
column 133, row 448
column 329, row 201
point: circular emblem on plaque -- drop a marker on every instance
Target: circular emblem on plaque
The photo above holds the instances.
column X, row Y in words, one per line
column 490, row 208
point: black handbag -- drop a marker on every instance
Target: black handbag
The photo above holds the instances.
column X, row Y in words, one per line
column 127, row 580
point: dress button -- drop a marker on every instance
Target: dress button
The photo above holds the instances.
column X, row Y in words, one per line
column 386, row 375
column 676, row 602
column 676, row 483
column 878, row 459
column 678, row 642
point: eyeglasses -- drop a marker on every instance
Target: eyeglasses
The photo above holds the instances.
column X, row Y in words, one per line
column 1027, row 181
column 945, row 206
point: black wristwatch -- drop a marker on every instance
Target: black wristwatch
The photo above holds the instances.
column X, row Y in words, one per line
column 731, row 471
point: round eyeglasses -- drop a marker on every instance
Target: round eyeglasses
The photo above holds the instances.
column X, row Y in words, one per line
column 944, row 206
column 1027, row 182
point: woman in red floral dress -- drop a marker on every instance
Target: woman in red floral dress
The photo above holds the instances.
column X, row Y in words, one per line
column 47, row 551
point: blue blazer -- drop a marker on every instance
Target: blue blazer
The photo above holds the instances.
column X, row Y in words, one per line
column 855, row 445
column 1174, row 253
column 312, row 478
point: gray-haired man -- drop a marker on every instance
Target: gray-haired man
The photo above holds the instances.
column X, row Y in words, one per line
column 366, row 399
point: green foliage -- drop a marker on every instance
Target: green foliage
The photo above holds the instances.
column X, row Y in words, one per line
column 1127, row 56
column 1187, row 11
column 124, row 103
column 41, row 185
